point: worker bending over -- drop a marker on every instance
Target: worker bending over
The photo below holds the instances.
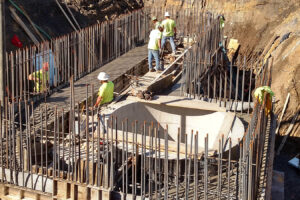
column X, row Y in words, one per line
column 169, row 33
column 40, row 78
column 260, row 93
column 154, row 47
column 106, row 90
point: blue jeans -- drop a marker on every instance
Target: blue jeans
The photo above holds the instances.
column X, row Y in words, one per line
column 155, row 54
column 171, row 39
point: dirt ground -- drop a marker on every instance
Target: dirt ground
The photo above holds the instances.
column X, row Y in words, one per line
column 47, row 15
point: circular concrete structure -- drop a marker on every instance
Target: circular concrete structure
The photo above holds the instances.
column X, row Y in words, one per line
column 187, row 114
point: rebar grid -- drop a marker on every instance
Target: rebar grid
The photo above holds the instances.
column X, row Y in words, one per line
column 138, row 159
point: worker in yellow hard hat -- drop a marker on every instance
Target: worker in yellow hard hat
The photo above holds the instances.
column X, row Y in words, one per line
column 262, row 92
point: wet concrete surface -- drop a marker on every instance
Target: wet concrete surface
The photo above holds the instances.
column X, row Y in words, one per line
column 115, row 69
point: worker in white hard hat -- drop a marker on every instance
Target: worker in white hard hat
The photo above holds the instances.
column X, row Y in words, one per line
column 106, row 90
column 169, row 32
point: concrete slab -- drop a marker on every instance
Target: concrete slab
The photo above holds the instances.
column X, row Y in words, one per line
column 115, row 69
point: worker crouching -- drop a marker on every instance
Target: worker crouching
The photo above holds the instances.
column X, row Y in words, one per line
column 106, row 90
column 264, row 92
column 40, row 78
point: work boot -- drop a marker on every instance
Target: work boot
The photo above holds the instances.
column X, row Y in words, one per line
column 152, row 70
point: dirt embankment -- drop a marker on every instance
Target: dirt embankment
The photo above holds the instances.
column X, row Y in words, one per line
column 47, row 15
column 255, row 23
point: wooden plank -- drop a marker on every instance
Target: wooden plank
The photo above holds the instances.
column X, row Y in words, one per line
column 175, row 61
column 22, row 24
column 32, row 24
column 282, row 113
column 65, row 14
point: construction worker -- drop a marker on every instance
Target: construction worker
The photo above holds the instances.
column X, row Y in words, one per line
column 260, row 93
column 222, row 21
column 155, row 22
column 169, row 33
column 106, row 90
column 40, row 78
column 154, row 47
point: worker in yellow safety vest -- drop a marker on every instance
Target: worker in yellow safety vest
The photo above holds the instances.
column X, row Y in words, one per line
column 106, row 90
column 169, row 32
column 40, row 78
column 262, row 92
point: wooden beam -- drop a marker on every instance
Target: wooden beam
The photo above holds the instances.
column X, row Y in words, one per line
column 22, row 24
column 32, row 24
column 65, row 14
column 283, row 111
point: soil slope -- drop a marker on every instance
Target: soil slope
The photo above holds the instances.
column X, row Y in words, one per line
column 47, row 15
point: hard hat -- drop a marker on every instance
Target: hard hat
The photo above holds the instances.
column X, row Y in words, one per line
column 102, row 76
column 154, row 18
column 46, row 66
column 167, row 14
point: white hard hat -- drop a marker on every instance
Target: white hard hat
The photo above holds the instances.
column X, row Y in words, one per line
column 167, row 14
column 102, row 76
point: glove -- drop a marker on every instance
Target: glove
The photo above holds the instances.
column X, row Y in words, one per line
column 160, row 51
column 175, row 34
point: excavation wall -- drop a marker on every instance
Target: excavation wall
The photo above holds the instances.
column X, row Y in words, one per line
column 262, row 28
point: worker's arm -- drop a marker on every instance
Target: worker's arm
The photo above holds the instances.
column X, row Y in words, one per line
column 30, row 77
column 33, row 77
column 99, row 99
column 159, row 43
column 175, row 30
